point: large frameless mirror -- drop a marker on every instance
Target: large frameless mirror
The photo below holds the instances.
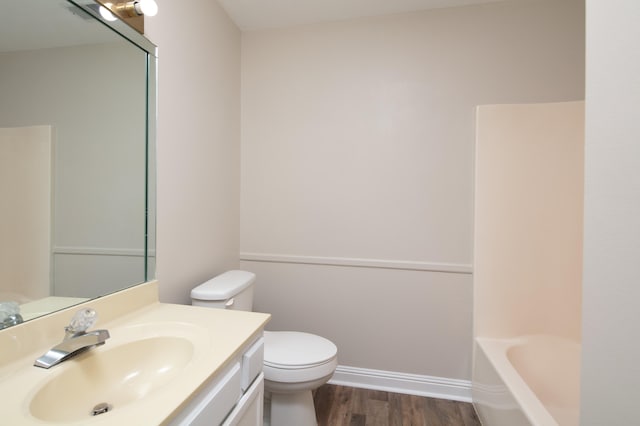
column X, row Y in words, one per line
column 77, row 143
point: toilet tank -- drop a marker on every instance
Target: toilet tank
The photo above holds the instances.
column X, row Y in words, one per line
column 230, row 290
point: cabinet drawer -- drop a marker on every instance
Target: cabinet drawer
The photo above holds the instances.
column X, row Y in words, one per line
column 248, row 411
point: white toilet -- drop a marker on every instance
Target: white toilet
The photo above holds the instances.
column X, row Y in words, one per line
column 295, row 363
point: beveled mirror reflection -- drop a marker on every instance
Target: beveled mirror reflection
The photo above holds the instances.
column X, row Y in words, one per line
column 77, row 117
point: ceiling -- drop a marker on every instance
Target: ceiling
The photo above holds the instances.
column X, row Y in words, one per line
column 261, row 14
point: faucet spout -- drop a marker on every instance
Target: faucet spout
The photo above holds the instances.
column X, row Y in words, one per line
column 71, row 347
column 76, row 341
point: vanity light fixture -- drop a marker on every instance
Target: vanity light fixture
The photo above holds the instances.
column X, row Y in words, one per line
column 135, row 8
column 131, row 12
column 129, row 9
column 106, row 13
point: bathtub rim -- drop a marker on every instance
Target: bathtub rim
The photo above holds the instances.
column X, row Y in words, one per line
column 496, row 351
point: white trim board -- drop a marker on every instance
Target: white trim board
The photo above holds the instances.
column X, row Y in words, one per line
column 409, row 265
column 412, row 384
column 102, row 251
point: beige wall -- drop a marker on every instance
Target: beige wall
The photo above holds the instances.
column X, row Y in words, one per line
column 610, row 369
column 528, row 220
column 198, row 144
column 357, row 150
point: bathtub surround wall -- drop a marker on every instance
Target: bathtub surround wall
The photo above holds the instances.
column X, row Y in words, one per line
column 198, row 144
column 25, row 191
column 611, row 350
column 357, row 172
column 528, row 263
column 528, row 220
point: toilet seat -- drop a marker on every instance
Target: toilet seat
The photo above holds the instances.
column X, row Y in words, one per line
column 295, row 357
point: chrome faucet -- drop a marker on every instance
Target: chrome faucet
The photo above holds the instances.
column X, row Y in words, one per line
column 14, row 319
column 76, row 339
column 9, row 314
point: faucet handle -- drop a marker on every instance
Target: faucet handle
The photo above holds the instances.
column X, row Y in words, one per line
column 82, row 321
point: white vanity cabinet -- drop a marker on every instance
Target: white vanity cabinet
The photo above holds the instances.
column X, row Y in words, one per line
column 233, row 397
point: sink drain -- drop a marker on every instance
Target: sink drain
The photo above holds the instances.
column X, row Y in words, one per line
column 101, row 408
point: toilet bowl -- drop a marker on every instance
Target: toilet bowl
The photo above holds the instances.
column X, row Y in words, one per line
column 295, row 363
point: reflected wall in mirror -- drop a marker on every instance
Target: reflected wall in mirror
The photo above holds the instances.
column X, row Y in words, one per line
column 77, row 113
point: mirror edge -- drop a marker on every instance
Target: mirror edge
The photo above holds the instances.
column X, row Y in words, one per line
column 151, row 169
column 91, row 7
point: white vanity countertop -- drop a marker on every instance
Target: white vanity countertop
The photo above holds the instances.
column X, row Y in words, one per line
column 217, row 337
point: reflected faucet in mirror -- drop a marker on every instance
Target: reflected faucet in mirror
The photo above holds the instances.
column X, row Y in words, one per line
column 76, row 339
column 9, row 314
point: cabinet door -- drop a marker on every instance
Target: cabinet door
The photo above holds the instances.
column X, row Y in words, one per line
column 248, row 412
column 213, row 403
column 252, row 361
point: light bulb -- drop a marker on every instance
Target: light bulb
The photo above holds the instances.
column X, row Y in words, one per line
column 106, row 13
column 146, row 7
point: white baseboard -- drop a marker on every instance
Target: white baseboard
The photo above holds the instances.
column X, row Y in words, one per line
column 412, row 384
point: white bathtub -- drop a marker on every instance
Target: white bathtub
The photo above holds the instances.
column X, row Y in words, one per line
column 529, row 380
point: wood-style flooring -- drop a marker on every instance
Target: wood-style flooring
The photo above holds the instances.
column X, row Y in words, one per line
column 347, row 406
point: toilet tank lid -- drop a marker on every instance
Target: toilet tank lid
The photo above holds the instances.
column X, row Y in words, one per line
column 223, row 286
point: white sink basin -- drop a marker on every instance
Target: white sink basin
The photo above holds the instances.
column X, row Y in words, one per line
column 115, row 376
